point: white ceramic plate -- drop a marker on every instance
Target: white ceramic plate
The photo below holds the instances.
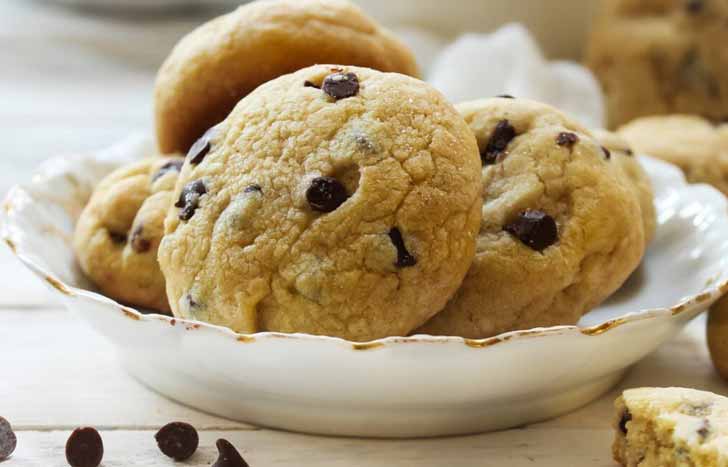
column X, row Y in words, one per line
column 394, row 387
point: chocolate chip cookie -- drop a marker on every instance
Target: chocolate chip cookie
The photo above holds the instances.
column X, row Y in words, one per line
column 692, row 143
column 671, row 427
column 661, row 57
column 119, row 230
column 336, row 200
column 561, row 228
column 220, row 62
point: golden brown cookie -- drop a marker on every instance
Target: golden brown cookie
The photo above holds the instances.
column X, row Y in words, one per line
column 220, row 62
column 119, row 230
column 561, row 228
column 335, row 200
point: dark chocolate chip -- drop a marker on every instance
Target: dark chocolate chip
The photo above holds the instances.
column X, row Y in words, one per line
column 694, row 6
column 118, row 238
column 626, row 417
column 84, row 448
column 229, row 456
column 138, row 242
column 309, row 84
column 704, row 430
column 177, row 440
column 341, row 85
column 606, row 152
column 253, row 188
column 175, row 165
column 534, row 228
column 189, row 199
column 498, row 142
column 629, row 152
column 505, row 96
column 404, row 258
column 202, row 146
column 567, row 139
column 191, row 302
column 8, row 441
column 325, row 194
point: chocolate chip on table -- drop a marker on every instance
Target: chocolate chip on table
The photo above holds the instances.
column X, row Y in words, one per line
column 201, row 147
column 626, row 417
column 175, row 165
column 84, row 448
column 341, row 85
column 253, row 188
column 8, row 441
column 326, row 194
column 404, row 258
column 567, row 139
column 177, row 440
column 535, row 229
column 229, row 456
column 607, row 153
column 138, row 242
column 118, row 238
column 505, row 96
column 502, row 135
column 189, row 199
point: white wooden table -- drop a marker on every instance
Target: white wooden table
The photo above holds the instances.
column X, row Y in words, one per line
column 74, row 82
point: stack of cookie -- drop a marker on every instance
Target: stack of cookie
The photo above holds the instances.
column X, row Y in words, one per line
column 352, row 199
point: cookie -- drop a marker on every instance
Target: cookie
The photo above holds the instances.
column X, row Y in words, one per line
column 119, row 230
column 220, row 62
column 717, row 335
column 627, row 162
column 561, row 228
column 661, row 57
column 671, row 427
column 336, row 200
column 695, row 145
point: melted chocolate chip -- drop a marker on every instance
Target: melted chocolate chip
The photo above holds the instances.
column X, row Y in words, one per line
column 404, row 258
column 138, row 242
column 8, row 441
column 567, row 139
column 309, row 84
column 326, row 194
column 118, row 238
column 498, row 142
column 535, row 229
column 189, row 199
column 626, row 417
column 505, row 96
column 175, row 165
column 202, row 146
column 229, row 456
column 253, row 188
column 84, row 448
column 177, row 440
column 341, row 85
column 704, row 430
column 606, row 152
column 694, row 6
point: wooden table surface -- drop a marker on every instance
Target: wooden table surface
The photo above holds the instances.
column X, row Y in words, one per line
column 74, row 82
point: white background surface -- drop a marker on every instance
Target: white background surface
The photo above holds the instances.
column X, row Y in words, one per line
column 73, row 82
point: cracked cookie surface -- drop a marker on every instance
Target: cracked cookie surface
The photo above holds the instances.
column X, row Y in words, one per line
column 118, row 233
column 670, row 427
column 561, row 229
column 220, row 62
column 336, row 200
column 661, row 57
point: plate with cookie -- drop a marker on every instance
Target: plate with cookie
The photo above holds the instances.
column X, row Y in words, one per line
column 324, row 243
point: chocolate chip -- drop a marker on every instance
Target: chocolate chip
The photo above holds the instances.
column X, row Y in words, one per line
column 626, row 417
column 202, row 146
column 326, row 194
column 8, row 441
column 606, row 152
column 341, row 85
column 498, row 142
column 84, row 448
column 505, row 96
column 404, row 258
column 694, row 6
column 629, row 152
column 704, row 430
column 138, row 242
column 567, row 139
column 253, row 188
column 534, row 228
column 229, row 456
column 175, row 165
column 309, row 84
column 189, row 199
column 177, row 440
column 118, row 238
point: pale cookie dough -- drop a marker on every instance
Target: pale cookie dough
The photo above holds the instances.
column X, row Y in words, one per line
column 561, row 228
column 119, row 230
column 671, row 427
column 627, row 162
column 692, row 143
column 661, row 57
column 335, row 200
column 220, row 62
